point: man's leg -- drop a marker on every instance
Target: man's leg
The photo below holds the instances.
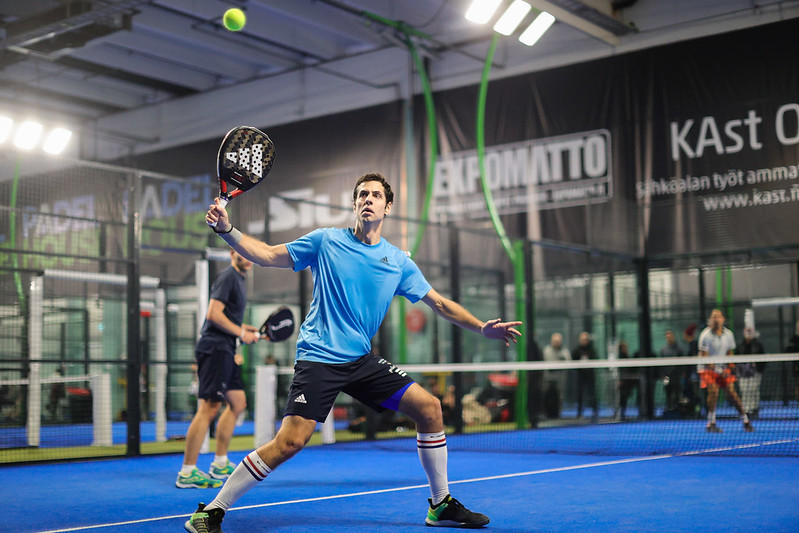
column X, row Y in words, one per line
column 187, row 477
column 293, row 435
column 425, row 410
column 206, row 411
column 712, row 397
column 236, row 403
column 736, row 401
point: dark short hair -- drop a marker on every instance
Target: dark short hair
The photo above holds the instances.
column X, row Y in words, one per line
column 374, row 176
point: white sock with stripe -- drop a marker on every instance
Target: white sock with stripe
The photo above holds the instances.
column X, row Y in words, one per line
column 249, row 473
column 432, row 448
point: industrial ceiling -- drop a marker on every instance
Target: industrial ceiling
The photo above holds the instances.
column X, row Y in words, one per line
column 135, row 76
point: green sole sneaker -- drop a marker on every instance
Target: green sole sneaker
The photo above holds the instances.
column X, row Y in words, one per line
column 202, row 521
column 451, row 513
column 221, row 473
column 197, row 480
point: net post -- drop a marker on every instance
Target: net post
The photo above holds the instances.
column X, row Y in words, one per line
column 160, row 365
column 645, row 331
column 133, row 371
column 35, row 354
column 329, row 429
column 265, row 396
column 101, row 410
column 201, row 280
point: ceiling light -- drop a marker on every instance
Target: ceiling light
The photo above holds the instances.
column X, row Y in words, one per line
column 481, row 11
column 57, row 140
column 28, row 135
column 538, row 27
column 511, row 19
column 5, row 128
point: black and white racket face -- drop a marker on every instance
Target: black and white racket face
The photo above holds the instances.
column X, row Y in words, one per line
column 245, row 157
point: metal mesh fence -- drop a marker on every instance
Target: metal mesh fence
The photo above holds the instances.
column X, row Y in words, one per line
column 68, row 309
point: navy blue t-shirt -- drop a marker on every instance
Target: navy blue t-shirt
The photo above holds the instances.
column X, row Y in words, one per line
column 230, row 289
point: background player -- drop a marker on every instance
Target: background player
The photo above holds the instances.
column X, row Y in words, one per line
column 717, row 340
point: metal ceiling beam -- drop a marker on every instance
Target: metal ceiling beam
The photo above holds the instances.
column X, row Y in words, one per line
column 122, row 75
column 65, row 25
column 570, row 18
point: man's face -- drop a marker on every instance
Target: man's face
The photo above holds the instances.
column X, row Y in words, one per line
column 584, row 339
column 716, row 319
column 241, row 263
column 556, row 341
column 370, row 202
column 670, row 337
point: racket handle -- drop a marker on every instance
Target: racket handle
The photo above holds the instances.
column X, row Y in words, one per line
column 222, row 203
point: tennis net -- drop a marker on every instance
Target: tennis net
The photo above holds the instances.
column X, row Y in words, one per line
column 637, row 406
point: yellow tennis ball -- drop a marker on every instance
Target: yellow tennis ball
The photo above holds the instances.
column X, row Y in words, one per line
column 234, row 19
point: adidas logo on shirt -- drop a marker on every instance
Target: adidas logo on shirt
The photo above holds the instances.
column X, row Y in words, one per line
column 300, row 399
column 384, row 260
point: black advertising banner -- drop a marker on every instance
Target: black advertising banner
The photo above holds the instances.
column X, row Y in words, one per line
column 685, row 148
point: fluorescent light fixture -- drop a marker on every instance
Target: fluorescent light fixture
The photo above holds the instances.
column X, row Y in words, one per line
column 28, row 135
column 481, row 11
column 5, row 128
column 511, row 19
column 56, row 141
column 538, row 28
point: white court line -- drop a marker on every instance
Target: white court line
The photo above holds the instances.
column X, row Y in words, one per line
column 413, row 487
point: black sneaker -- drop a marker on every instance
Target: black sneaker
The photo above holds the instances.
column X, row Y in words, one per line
column 713, row 428
column 748, row 427
column 451, row 513
column 203, row 521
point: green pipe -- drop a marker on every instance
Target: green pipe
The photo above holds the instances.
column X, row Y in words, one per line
column 515, row 250
column 432, row 133
column 481, row 105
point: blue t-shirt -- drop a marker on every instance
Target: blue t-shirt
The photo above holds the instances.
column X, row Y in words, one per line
column 354, row 284
column 230, row 289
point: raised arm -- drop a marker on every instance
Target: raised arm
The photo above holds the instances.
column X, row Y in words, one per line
column 460, row 316
column 258, row 252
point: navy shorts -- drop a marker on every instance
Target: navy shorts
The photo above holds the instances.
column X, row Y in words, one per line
column 371, row 380
column 217, row 373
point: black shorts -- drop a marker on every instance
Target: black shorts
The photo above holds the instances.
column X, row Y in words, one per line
column 371, row 379
column 217, row 373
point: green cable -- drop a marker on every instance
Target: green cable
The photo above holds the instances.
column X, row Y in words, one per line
column 481, row 105
column 515, row 250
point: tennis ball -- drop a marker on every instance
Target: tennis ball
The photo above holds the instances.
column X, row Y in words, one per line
column 234, row 19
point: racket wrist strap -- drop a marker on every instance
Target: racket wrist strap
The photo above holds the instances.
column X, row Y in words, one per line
column 231, row 236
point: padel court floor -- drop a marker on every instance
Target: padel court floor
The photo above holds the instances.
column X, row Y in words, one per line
column 363, row 487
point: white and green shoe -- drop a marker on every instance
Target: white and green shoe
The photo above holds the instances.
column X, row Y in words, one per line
column 197, row 480
column 224, row 472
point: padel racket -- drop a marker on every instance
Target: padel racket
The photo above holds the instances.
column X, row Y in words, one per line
column 245, row 158
column 279, row 325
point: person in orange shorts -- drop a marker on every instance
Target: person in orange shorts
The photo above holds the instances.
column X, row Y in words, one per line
column 717, row 340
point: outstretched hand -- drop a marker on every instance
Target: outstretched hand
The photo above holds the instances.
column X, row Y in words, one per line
column 495, row 329
column 217, row 216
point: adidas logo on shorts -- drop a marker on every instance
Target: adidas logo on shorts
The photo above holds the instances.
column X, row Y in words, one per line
column 300, row 399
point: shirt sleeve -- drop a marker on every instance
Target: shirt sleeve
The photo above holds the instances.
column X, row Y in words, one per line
column 222, row 288
column 413, row 285
column 305, row 250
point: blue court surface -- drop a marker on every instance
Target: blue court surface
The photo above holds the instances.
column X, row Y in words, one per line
column 364, row 487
